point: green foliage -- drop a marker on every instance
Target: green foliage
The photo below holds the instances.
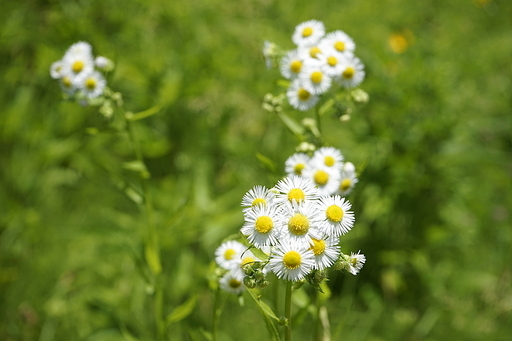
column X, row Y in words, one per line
column 432, row 205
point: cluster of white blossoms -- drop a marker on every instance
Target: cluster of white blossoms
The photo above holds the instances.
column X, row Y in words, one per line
column 295, row 226
column 318, row 62
column 78, row 72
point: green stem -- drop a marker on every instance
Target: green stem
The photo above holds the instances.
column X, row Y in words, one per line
column 288, row 311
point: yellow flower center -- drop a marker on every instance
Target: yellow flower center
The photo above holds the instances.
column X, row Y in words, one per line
column 298, row 224
column 77, row 66
column 90, row 83
column 299, row 168
column 234, row 283
column 295, row 66
column 339, row 46
column 318, row 246
column 398, row 43
column 292, row 260
column 321, row 177
column 263, row 224
column 304, row 95
column 329, row 161
column 66, row 82
column 247, row 260
column 314, row 51
column 296, row 194
column 348, row 73
column 332, row 61
column 345, row 184
column 259, row 201
column 229, row 254
column 334, row 213
column 306, row 32
column 316, row 77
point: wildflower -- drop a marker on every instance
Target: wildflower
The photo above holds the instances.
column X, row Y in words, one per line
column 314, row 79
column 91, row 84
column 299, row 97
column 103, row 63
column 340, row 41
column 308, row 33
column 228, row 254
column 258, row 195
column 355, row 262
column 262, row 225
column 329, row 157
column 291, row 64
column 300, row 223
column 56, row 69
column 336, row 218
column 331, row 61
column 292, row 261
column 77, row 64
column 325, row 179
column 326, row 252
column 348, row 179
column 294, row 189
column 296, row 164
column 232, row 283
column 352, row 73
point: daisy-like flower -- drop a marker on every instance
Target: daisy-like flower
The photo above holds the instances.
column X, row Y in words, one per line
column 336, row 217
column 308, row 33
column 232, row 283
column 77, row 64
column 314, row 79
column 91, row 84
column 331, row 61
column 329, row 157
column 56, row 69
column 299, row 97
column 228, row 254
column 296, row 164
column 295, row 189
column 311, row 52
column 326, row 180
column 348, row 181
column 291, row 64
column 326, row 252
column 355, row 262
column 292, row 261
column 258, row 195
column 300, row 223
column 103, row 63
column 352, row 73
column 340, row 41
column 67, row 85
column 79, row 48
column 262, row 225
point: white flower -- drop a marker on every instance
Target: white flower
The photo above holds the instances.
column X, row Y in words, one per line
column 296, row 164
column 300, row 223
column 326, row 180
column 292, row 261
column 291, row 64
column 340, row 41
column 356, row 262
column 228, row 254
column 91, row 84
column 262, row 225
column 352, row 72
column 331, row 61
column 294, row 189
column 299, row 97
column 310, row 52
column 258, row 195
column 348, row 181
column 79, row 48
column 67, row 85
column 232, row 282
column 308, row 33
column 328, row 157
column 77, row 64
column 336, row 217
column 326, row 252
column 314, row 79
column 56, row 70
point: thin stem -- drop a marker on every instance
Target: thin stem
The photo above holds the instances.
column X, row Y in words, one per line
column 288, row 311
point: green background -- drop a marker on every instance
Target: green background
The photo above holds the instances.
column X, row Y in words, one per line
column 432, row 205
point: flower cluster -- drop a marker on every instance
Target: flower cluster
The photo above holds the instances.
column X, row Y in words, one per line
column 318, row 62
column 78, row 72
column 294, row 228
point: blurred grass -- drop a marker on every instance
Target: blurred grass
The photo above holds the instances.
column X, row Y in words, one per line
column 432, row 205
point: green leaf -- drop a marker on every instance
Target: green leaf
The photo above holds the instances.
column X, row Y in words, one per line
column 153, row 259
column 267, row 162
column 143, row 114
column 291, row 124
column 263, row 306
column 182, row 311
column 267, row 313
column 134, row 195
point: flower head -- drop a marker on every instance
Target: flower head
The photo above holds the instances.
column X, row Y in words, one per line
column 299, row 97
column 308, row 33
column 336, row 217
column 292, row 261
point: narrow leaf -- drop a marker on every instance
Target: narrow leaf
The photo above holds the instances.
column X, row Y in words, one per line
column 153, row 259
column 291, row 124
column 143, row 114
column 182, row 311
